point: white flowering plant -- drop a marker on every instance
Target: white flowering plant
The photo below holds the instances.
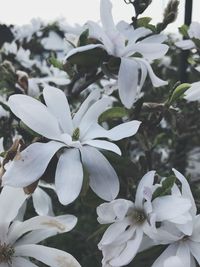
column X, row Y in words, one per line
column 99, row 142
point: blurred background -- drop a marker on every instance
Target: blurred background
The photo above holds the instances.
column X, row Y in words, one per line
column 79, row 11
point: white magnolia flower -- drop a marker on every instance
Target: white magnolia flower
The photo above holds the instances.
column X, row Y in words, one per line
column 184, row 240
column 123, row 41
column 76, row 138
column 193, row 32
column 193, row 93
column 130, row 221
column 18, row 240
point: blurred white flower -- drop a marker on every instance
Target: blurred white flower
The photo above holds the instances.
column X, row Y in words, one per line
column 193, row 93
column 193, row 32
column 18, row 240
column 123, row 41
column 130, row 221
column 76, row 139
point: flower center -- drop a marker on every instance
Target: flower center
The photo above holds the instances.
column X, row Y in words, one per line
column 6, row 253
column 138, row 216
column 76, row 134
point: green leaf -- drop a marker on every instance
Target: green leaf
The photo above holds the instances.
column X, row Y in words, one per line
column 143, row 22
column 184, row 30
column 83, row 38
column 178, row 93
column 165, row 188
column 113, row 113
column 56, row 63
column 88, row 58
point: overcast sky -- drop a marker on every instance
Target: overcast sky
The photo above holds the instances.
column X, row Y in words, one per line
column 79, row 11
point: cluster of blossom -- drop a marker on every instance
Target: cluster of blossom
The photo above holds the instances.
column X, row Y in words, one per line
column 163, row 211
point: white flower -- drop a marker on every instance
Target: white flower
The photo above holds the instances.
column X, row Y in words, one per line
column 123, row 41
column 130, row 221
column 76, row 139
column 193, row 93
column 193, row 32
column 18, row 240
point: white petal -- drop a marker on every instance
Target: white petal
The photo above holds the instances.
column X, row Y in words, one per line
column 146, row 181
column 103, row 145
column 193, row 93
column 151, row 51
column 183, row 252
column 170, row 207
column 89, row 101
column 35, row 115
column 103, row 178
column 69, row 176
column 119, row 132
column 154, row 79
column 82, row 49
column 30, row 164
column 185, row 44
column 186, row 191
column 50, row 256
column 57, row 103
column 59, row 224
column 173, row 261
column 196, row 225
column 156, row 38
column 168, row 252
column 195, row 250
column 42, row 202
column 11, row 200
column 92, row 115
column 128, row 81
column 130, row 250
column 19, row 262
column 113, row 211
column 194, row 30
column 113, row 231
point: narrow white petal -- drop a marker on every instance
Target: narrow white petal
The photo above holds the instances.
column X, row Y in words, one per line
column 146, row 181
column 69, row 176
column 173, row 261
column 194, row 30
column 130, row 250
column 42, row 202
column 57, row 103
column 49, row 256
column 195, row 250
column 35, row 115
column 113, row 231
column 92, row 115
column 82, row 49
column 119, row 132
column 151, row 51
column 186, row 191
column 103, row 145
column 154, row 79
column 170, row 207
column 103, row 178
column 168, row 252
column 60, row 224
column 30, row 164
column 89, row 101
column 183, row 252
column 106, row 17
column 156, row 38
column 11, row 200
column 19, row 262
column 128, row 81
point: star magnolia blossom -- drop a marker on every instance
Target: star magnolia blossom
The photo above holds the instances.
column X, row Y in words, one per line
column 122, row 41
column 18, row 240
column 193, row 32
column 184, row 241
column 130, row 221
column 75, row 139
